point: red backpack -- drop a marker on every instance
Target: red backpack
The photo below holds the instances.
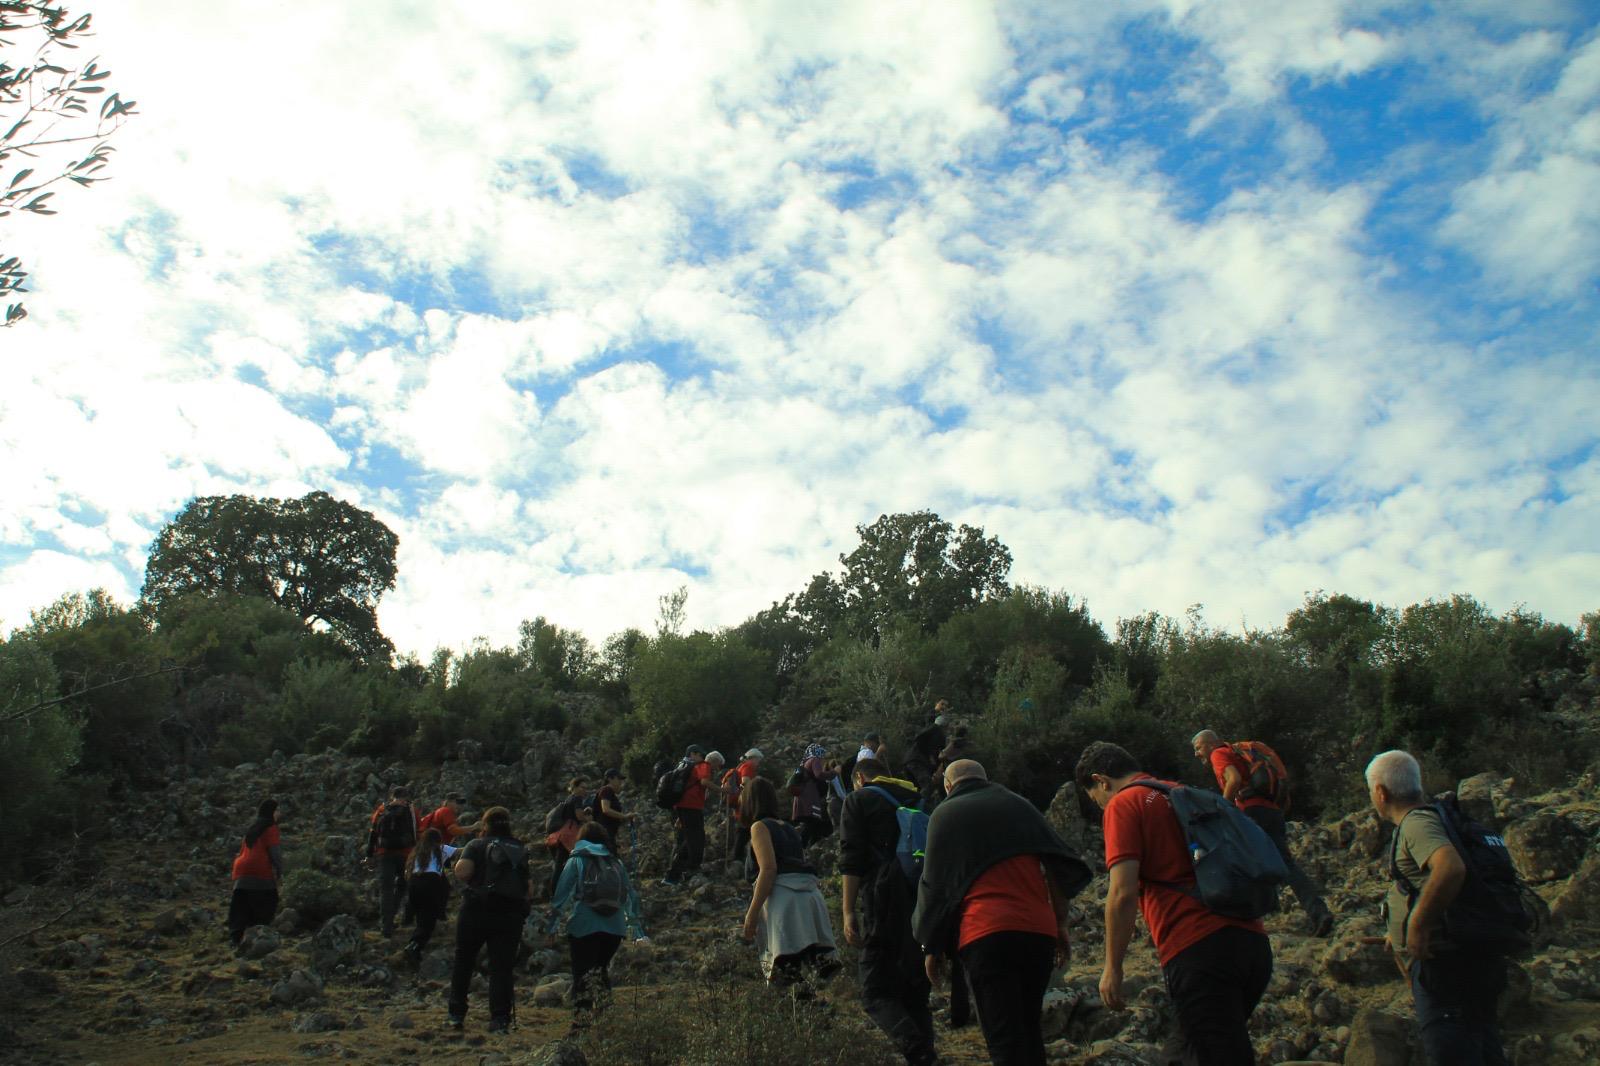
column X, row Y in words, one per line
column 1266, row 776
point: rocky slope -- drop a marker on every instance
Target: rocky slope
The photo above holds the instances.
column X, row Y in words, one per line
column 140, row 971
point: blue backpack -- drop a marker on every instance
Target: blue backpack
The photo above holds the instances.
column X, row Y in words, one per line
column 1237, row 868
column 911, row 848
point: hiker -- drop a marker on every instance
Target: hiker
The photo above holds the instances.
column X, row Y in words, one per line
column 922, row 763
column 872, row 747
column 598, row 904
column 995, row 893
column 608, row 812
column 257, row 869
column 836, row 792
column 568, row 818
column 1215, row 967
column 392, row 835
column 807, row 786
column 427, row 887
column 959, row 747
column 447, row 820
column 1233, row 769
column 894, row 985
column 787, row 917
column 1454, row 989
column 493, row 868
column 733, row 784
column 689, row 818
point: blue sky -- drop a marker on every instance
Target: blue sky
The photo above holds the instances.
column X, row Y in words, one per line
column 1187, row 302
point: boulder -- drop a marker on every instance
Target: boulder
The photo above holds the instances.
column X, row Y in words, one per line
column 259, row 942
column 1582, row 1045
column 1580, row 900
column 298, row 987
column 336, row 943
column 1546, row 846
column 316, row 1022
column 1351, row 962
column 559, row 1053
column 1476, row 795
column 1065, row 815
column 287, row 922
column 552, row 992
column 1378, row 1038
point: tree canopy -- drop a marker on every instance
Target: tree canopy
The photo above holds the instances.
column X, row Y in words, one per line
column 325, row 560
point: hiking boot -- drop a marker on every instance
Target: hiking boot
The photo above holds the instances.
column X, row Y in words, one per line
column 456, row 1022
column 1322, row 923
column 499, row 1025
column 413, row 952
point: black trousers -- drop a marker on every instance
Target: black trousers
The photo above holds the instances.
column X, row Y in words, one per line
column 894, row 992
column 591, row 965
column 1270, row 819
column 1457, row 996
column 391, row 887
column 486, row 924
column 689, row 842
column 250, row 906
column 558, row 862
column 1214, row 985
column 1009, row 973
column 429, row 895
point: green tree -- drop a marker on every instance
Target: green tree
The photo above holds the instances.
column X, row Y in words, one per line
column 562, row 657
column 110, row 666
column 707, row 688
column 46, row 119
column 325, row 560
column 39, row 734
column 918, row 566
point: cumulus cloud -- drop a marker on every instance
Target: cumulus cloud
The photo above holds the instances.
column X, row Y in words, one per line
column 590, row 304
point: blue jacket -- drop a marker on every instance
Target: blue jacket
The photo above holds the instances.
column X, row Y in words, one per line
column 580, row 919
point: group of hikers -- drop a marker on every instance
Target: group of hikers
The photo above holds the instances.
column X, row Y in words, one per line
column 948, row 876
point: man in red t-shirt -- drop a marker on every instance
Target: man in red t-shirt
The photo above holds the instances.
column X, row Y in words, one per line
column 733, row 783
column 1232, row 771
column 447, row 820
column 689, row 817
column 1216, row 968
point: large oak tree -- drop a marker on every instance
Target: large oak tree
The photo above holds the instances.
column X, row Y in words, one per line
column 326, row 560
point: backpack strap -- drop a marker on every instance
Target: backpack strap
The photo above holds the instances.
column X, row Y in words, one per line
column 1190, row 887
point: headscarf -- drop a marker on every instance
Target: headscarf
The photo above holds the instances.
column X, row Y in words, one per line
column 814, row 751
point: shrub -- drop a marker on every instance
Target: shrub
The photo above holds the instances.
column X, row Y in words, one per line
column 316, row 897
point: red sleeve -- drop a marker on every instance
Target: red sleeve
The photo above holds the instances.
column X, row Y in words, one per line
column 1124, row 834
column 1221, row 759
column 270, row 837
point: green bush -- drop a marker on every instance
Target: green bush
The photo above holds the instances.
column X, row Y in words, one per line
column 316, row 897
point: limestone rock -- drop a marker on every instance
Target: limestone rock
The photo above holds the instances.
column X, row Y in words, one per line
column 552, row 992
column 259, row 942
column 1065, row 815
column 559, row 1053
column 1351, row 962
column 1546, row 846
column 298, row 987
column 338, row 941
column 316, row 1022
column 1378, row 1038
column 1580, row 899
column 287, row 922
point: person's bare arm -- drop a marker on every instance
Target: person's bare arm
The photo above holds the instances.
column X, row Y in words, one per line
column 1446, row 874
column 767, row 862
column 1122, row 907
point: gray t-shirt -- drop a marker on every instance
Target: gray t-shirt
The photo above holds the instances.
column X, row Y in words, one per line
column 1416, row 838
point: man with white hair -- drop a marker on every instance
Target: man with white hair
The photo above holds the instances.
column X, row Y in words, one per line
column 1453, row 990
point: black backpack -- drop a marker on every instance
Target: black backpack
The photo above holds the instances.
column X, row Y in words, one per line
column 554, row 820
column 1237, row 868
column 1495, row 912
column 505, row 870
column 397, row 828
column 673, row 784
column 604, row 885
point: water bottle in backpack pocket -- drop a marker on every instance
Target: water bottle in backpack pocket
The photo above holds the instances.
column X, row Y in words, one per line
column 1237, row 868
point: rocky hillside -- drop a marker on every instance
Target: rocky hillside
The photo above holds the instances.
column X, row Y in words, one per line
column 121, row 955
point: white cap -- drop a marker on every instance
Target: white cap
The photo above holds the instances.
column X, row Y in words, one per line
column 754, row 753
column 716, row 757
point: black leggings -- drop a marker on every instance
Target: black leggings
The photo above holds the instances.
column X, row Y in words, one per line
column 591, row 965
column 430, row 895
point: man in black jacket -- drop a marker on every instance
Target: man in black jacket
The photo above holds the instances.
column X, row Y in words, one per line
column 994, row 892
column 894, row 986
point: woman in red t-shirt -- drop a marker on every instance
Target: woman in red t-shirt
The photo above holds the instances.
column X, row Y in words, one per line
column 256, row 872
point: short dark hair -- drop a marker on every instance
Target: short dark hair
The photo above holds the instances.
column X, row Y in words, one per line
column 595, row 833
column 400, row 792
column 869, row 768
column 872, row 738
column 455, row 797
column 1106, row 759
column 496, row 822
